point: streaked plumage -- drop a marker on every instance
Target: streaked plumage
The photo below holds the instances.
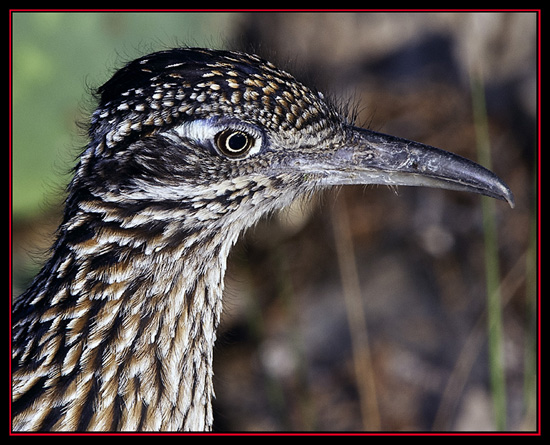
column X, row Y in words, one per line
column 188, row 148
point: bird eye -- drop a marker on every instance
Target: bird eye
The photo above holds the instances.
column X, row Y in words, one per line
column 234, row 143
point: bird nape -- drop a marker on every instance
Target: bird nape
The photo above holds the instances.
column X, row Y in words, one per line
column 187, row 148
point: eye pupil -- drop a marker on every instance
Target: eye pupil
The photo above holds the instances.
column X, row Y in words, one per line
column 237, row 141
column 233, row 143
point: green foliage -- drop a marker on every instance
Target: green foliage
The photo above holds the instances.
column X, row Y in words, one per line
column 57, row 58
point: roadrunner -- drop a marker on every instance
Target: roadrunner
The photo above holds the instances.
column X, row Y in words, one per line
column 187, row 148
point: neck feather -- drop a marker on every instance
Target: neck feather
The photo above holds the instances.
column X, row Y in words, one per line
column 117, row 331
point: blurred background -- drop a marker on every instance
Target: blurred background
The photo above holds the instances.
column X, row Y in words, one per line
column 368, row 308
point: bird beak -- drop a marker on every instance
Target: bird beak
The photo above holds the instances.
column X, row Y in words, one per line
column 368, row 157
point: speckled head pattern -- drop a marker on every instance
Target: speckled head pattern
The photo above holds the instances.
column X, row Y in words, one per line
column 173, row 86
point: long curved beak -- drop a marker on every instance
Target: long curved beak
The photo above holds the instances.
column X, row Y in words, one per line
column 368, row 157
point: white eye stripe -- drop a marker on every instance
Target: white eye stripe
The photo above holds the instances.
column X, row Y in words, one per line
column 199, row 130
column 204, row 131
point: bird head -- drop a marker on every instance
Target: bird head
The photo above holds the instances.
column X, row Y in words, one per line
column 222, row 129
